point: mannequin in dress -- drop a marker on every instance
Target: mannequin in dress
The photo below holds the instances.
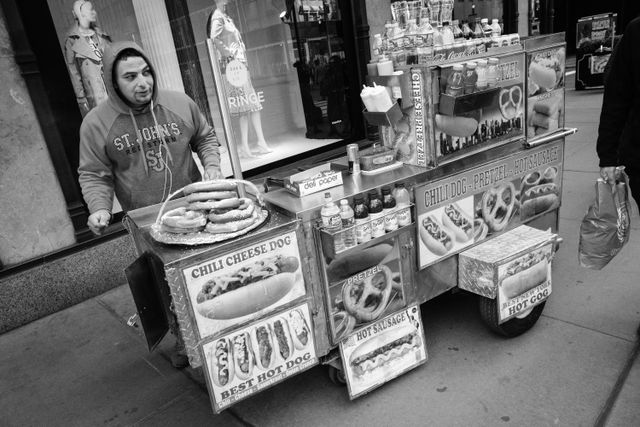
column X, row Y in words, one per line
column 246, row 105
column 83, row 52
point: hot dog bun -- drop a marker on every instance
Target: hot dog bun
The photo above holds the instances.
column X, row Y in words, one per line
column 456, row 126
column 457, row 222
column 525, row 280
column 282, row 339
column 344, row 267
column 262, row 342
column 300, row 331
column 434, row 236
column 222, row 368
column 243, row 358
column 396, row 342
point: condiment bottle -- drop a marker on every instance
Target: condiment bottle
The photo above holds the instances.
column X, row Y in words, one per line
column 455, row 85
column 332, row 222
column 385, row 66
column 495, row 27
column 361, row 215
column 447, row 34
column 348, row 223
column 492, row 72
column 481, row 71
column 389, row 210
column 457, row 31
column 375, row 214
column 466, row 30
column 403, row 203
column 470, row 77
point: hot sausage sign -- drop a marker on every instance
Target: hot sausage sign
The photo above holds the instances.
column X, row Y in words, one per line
column 461, row 210
column 245, row 284
column 248, row 360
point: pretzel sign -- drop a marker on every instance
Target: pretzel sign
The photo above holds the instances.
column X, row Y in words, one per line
column 368, row 298
column 510, row 102
column 497, row 206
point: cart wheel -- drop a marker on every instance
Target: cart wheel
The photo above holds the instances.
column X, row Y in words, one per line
column 513, row 327
column 336, row 375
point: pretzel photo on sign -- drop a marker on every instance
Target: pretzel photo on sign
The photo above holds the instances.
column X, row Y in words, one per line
column 498, row 205
column 511, row 101
column 367, row 299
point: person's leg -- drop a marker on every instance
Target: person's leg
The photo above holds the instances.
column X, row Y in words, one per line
column 256, row 120
column 243, row 148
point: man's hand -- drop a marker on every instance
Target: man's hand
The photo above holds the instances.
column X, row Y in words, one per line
column 212, row 172
column 609, row 174
column 98, row 221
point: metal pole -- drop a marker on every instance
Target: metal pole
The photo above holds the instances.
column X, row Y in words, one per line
column 224, row 111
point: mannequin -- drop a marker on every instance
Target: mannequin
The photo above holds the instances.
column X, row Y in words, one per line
column 83, row 52
column 242, row 98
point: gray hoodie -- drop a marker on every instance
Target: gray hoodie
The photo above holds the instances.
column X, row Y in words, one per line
column 141, row 154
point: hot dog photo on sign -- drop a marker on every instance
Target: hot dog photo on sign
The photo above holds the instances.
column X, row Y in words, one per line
column 364, row 286
column 539, row 192
column 446, row 230
column 255, row 357
column 244, row 284
column 495, row 209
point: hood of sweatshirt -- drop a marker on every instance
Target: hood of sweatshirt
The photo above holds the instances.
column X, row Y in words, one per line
column 117, row 101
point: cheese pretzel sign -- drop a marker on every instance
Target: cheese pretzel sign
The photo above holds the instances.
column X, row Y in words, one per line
column 367, row 299
column 497, row 206
column 511, row 102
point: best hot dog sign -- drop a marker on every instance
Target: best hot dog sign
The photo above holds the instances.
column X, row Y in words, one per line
column 465, row 208
column 245, row 284
column 256, row 357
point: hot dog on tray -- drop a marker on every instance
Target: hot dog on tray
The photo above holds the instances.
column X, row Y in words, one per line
column 525, row 275
column 434, row 236
column 248, row 290
column 457, row 221
column 383, row 349
column 243, row 357
column 221, row 363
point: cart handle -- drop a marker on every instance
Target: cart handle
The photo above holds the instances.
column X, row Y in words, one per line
column 560, row 133
column 239, row 182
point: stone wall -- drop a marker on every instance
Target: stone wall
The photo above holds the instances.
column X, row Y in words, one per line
column 33, row 213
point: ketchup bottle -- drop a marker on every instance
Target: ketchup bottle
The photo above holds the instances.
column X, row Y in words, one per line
column 363, row 226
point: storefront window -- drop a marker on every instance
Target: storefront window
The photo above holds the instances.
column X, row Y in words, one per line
column 283, row 65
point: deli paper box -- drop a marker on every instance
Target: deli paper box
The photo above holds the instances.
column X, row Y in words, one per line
column 313, row 180
column 480, row 268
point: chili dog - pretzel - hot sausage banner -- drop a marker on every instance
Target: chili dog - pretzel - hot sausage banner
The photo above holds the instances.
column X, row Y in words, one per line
column 383, row 350
column 244, row 284
column 463, row 209
column 253, row 358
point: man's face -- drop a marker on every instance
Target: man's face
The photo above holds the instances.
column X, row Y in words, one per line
column 135, row 81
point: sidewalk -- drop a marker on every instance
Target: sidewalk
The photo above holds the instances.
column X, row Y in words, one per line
column 84, row 366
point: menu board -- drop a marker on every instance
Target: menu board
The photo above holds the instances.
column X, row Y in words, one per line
column 363, row 285
column 545, row 90
column 464, row 209
column 243, row 285
column 383, row 350
column 251, row 359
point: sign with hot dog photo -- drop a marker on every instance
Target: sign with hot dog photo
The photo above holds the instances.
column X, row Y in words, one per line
column 364, row 285
column 383, row 350
column 251, row 359
column 484, row 116
column 243, row 285
column 545, row 91
column 462, row 210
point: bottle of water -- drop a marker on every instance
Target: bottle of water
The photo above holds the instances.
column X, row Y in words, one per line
column 348, row 224
column 332, row 222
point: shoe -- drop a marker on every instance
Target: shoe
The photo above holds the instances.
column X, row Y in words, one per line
column 179, row 359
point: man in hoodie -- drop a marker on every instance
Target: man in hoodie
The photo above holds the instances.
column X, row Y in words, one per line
column 138, row 143
column 619, row 130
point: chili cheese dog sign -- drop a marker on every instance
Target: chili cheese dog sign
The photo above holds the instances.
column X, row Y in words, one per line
column 253, row 358
column 245, row 284
column 463, row 209
column 383, row 350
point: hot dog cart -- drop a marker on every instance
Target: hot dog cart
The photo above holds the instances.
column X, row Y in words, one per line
column 484, row 216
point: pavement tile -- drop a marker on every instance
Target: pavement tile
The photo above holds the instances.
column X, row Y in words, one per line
column 473, row 377
column 81, row 367
column 626, row 410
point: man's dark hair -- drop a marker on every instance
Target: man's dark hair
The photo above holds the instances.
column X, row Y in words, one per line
column 126, row 54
